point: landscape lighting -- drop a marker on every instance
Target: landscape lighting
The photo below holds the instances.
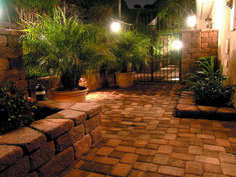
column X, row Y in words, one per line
column 177, row 44
column 115, row 26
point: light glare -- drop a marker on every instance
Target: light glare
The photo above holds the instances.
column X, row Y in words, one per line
column 177, row 44
column 192, row 20
column 115, row 26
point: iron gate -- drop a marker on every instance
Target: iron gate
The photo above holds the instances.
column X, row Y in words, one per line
column 165, row 63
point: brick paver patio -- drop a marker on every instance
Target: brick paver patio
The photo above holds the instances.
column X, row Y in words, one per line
column 143, row 138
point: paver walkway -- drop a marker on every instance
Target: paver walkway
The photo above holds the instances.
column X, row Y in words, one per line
column 143, row 138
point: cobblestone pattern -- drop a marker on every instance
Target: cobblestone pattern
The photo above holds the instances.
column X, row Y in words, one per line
column 143, row 138
column 48, row 146
column 197, row 43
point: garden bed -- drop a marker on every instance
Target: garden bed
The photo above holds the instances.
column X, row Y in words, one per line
column 187, row 108
column 43, row 112
column 50, row 145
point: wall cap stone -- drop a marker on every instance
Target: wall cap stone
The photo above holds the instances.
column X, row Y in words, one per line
column 9, row 155
column 11, row 32
column 32, row 141
column 77, row 116
column 91, row 109
column 210, row 30
column 191, row 30
column 53, row 127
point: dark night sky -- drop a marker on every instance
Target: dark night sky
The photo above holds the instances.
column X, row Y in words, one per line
column 131, row 3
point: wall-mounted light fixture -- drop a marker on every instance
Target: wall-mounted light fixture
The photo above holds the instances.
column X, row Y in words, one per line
column 208, row 22
column 177, row 44
column 192, row 20
column 229, row 4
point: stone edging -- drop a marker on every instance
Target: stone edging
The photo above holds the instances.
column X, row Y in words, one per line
column 187, row 107
column 48, row 146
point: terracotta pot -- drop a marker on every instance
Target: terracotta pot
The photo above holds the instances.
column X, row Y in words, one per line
column 70, row 96
column 125, row 79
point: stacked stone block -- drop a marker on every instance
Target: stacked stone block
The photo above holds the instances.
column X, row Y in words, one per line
column 48, row 146
column 11, row 63
column 186, row 107
column 197, row 43
column 98, row 80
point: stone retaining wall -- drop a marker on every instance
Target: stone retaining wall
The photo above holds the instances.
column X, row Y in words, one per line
column 197, row 43
column 186, row 107
column 48, row 146
column 11, row 63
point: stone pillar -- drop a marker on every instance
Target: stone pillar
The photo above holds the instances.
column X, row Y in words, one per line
column 11, row 63
column 197, row 43
column 209, row 42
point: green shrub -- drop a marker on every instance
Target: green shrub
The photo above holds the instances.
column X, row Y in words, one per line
column 210, row 87
column 16, row 109
column 130, row 48
column 64, row 47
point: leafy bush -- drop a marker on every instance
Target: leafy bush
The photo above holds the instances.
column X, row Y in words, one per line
column 210, row 87
column 34, row 72
column 65, row 47
column 130, row 48
column 16, row 109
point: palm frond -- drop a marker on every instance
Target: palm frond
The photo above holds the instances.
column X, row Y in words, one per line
column 67, row 47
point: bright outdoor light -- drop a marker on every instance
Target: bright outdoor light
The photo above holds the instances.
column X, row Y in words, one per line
column 115, row 26
column 192, row 20
column 177, row 44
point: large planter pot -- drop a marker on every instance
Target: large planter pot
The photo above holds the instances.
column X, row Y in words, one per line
column 70, row 96
column 125, row 79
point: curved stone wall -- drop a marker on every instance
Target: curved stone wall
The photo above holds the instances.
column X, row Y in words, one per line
column 48, row 146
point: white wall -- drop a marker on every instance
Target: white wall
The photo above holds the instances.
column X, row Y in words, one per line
column 221, row 18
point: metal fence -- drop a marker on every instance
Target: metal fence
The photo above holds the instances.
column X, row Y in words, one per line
column 165, row 63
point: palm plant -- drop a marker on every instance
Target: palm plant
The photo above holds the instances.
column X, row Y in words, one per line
column 130, row 49
column 65, row 47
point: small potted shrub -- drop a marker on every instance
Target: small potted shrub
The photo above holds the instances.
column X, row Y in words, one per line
column 16, row 109
column 210, row 87
column 68, row 48
column 131, row 50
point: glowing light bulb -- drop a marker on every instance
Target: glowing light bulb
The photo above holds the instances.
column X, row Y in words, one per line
column 177, row 44
column 115, row 26
column 192, row 20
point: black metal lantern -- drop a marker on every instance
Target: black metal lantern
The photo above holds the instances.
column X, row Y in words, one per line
column 208, row 22
column 40, row 92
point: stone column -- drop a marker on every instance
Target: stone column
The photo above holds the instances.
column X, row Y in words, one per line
column 197, row 43
column 11, row 63
column 209, row 42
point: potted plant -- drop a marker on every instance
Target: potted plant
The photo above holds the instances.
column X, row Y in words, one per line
column 67, row 48
column 131, row 50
